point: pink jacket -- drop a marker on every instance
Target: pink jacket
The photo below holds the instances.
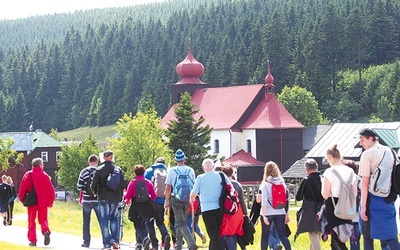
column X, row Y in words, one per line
column 131, row 190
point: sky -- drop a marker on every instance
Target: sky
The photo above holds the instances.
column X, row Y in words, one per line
column 25, row 8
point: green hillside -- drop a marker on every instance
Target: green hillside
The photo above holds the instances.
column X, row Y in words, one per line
column 346, row 53
column 99, row 133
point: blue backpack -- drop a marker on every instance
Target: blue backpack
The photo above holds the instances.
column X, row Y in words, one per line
column 183, row 186
column 114, row 178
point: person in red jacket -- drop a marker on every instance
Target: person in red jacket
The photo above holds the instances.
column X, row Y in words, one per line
column 45, row 198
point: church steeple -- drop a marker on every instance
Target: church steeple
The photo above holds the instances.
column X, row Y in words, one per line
column 189, row 70
column 269, row 83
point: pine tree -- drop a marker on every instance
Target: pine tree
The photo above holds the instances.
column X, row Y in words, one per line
column 188, row 134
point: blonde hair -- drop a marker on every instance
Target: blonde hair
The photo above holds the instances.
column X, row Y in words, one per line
column 9, row 180
column 4, row 178
column 271, row 169
column 334, row 152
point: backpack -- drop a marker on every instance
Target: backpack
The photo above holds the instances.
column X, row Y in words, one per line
column 114, row 178
column 395, row 180
column 229, row 199
column 345, row 208
column 88, row 182
column 183, row 185
column 380, row 181
column 158, row 179
column 278, row 196
column 142, row 194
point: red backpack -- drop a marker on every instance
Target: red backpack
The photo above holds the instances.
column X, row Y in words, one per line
column 278, row 196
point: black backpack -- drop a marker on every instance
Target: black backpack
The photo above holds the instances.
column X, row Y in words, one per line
column 142, row 194
column 395, row 188
column 88, row 182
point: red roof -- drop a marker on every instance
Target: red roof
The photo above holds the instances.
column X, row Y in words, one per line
column 241, row 158
column 221, row 107
column 271, row 114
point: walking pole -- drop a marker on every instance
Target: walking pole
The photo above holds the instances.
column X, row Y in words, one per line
column 192, row 208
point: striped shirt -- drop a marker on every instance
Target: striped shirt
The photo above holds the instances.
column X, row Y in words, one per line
column 83, row 180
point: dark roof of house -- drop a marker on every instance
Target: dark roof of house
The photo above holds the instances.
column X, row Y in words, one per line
column 312, row 134
column 296, row 170
column 241, row 158
column 22, row 140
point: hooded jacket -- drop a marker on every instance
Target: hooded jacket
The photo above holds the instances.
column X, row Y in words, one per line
column 266, row 191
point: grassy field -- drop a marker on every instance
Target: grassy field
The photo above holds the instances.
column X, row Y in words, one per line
column 79, row 134
column 66, row 217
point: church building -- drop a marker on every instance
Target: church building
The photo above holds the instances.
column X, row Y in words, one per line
column 248, row 122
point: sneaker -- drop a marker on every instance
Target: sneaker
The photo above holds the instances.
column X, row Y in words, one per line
column 203, row 239
column 114, row 245
column 279, row 247
column 167, row 242
column 84, row 245
column 46, row 238
column 146, row 244
column 32, row 244
column 138, row 246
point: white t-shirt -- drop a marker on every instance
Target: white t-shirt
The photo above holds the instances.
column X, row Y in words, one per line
column 344, row 172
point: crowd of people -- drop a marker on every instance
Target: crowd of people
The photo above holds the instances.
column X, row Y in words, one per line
column 157, row 194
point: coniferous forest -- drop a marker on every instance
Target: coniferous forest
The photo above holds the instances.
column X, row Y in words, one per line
column 88, row 68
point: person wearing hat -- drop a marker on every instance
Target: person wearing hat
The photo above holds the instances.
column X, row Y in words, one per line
column 108, row 200
column 179, row 208
column 378, row 216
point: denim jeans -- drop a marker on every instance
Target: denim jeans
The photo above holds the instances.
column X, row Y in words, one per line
column 86, row 212
column 279, row 225
column 273, row 240
column 180, row 211
column 385, row 244
column 159, row 220
column 229, row 242
column 196, row 228
column 109, row 224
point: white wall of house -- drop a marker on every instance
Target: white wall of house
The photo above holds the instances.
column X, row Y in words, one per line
column 249, row 134
column 223, row 136
column 231, row 142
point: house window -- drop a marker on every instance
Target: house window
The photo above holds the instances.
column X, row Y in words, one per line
column 45, row 156
column 216, row 146
column 248, row 146
column 58, row 155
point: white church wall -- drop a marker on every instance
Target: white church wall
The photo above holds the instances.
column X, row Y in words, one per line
column 231, row 142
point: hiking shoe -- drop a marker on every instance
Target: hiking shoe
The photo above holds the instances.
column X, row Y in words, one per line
column 114, row 245
column 167, row 242
column 46, row 238
column 146, row 244
column 32, row 244
column 203, row 239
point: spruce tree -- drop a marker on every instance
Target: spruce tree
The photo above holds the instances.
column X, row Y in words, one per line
column 189, row 134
